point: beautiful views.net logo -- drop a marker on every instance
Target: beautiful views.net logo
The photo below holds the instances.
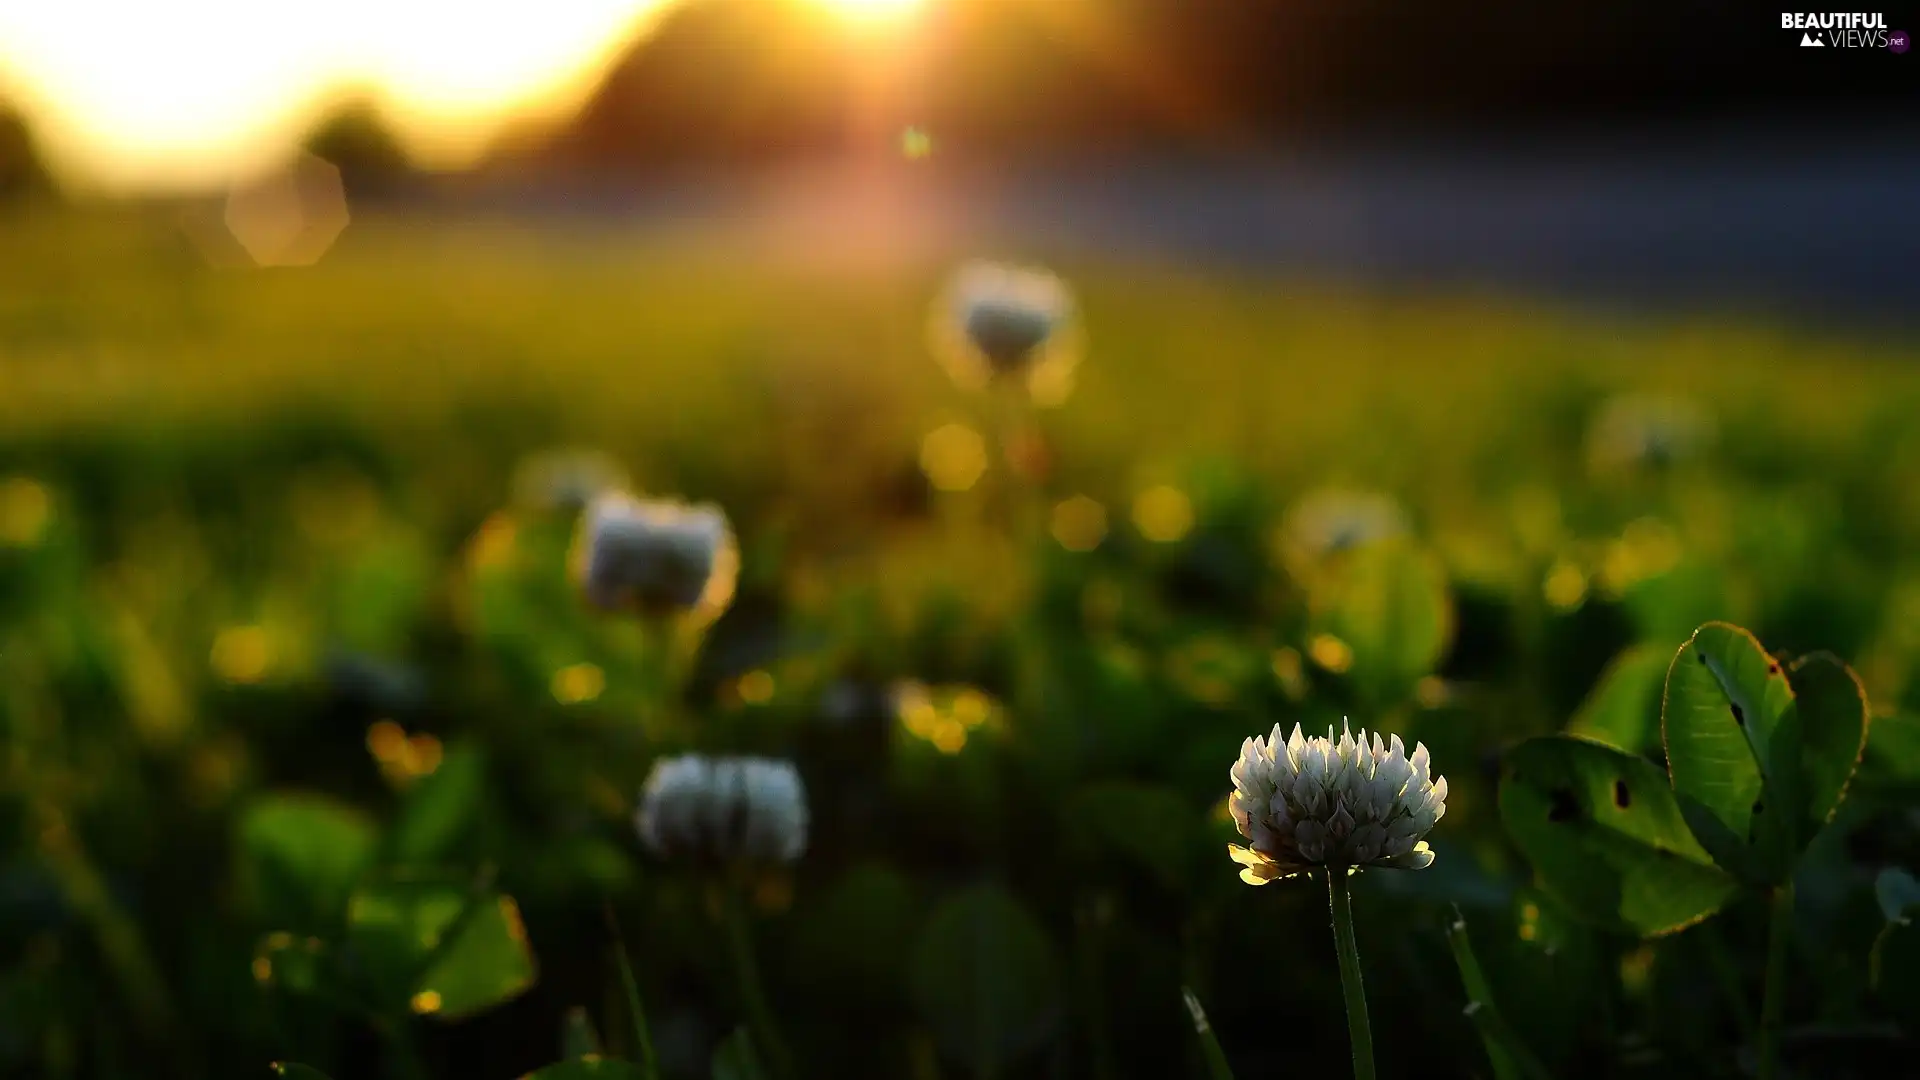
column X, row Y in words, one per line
column 1844, row 30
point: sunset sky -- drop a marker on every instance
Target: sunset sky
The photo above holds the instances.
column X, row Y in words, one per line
column 175, row 94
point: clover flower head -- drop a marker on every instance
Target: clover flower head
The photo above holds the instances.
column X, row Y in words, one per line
column 724, row 810
column 1647, row 431
column 1332, row 520
column 656, row 556
column 1000, row 322
column 1339, row 803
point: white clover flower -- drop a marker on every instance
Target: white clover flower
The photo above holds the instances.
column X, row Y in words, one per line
column 1008, row 322
column 656, row 556
column 724, row 810
column 1314, row 802
column 566, row 479
column 1647, row 430
column 1332, row 520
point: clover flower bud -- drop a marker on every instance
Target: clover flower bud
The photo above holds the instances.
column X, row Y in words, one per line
column 724, row 810
column 1005, row 322
column 1320, row 802
column 656, row 557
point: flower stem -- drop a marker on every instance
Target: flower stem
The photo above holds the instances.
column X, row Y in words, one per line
column 753, row 996
column 1773, row 999
column 1340, row 898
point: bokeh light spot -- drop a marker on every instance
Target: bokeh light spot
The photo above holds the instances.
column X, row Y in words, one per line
column 756, row 687
column 949, row 736
column 1566, row 586
column 953, row 457
column 578, row 683
column 1330, row 653
column 426, row 1002
column 25, row 508
column 915, row 144
column 290, row 217
column 242, row 654
column 1163, row 514
column 1079, row 523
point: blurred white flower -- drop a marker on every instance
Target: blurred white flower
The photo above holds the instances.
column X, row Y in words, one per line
column 1008, row 322
column 656, row 556
column 1313, row 802
column 1331, row 520
column 1647, row 430
column 747, row 810
column 566, row 479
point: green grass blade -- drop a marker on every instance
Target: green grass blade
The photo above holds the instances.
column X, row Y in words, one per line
column 1217, row 1067
column 1509, row 1056
column 649, row 1064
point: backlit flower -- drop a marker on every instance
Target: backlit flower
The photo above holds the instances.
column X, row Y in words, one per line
column 719, row 810
column 655, row 557
column 1320, row 802
column 1001, row 322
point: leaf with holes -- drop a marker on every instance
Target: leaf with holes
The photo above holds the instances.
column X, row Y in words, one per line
column 985, row 977
column 438, row 947
column 1606, row 838
column 1624, row 708
column 1832, row 707
column 1733, row 741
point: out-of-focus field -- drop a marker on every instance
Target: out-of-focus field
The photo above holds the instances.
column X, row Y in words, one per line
column 247, row 517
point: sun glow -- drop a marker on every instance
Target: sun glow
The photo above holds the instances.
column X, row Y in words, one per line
column 873, row 9
column 191, row 93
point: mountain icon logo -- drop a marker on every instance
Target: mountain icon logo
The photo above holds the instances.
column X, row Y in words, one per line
column 1808, row 40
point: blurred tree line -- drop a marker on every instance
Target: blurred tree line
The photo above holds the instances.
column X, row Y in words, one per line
column 740, row 81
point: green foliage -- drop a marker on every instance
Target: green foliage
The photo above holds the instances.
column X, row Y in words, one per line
column 1733, row 739
column 1217, row 1065
column 1606, row 837
column 594, row 1068
column 1624, row 709
column 437, row 947
column 986, row 978
column 244, row 517
column 1506, row 1051
column 736, row 1059
column 1389, row 602
column 302, row 855
column 1151, row 827
column 1760, row 752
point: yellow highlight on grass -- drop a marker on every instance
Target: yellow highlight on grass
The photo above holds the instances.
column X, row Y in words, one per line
column 578, row 683
column 1163, row 514
column 1079, row 523
column 954, row 457
column 242, row 654
column 25, row 509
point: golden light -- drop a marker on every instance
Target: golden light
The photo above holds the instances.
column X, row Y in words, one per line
column 194, row 93
column 873, row 10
